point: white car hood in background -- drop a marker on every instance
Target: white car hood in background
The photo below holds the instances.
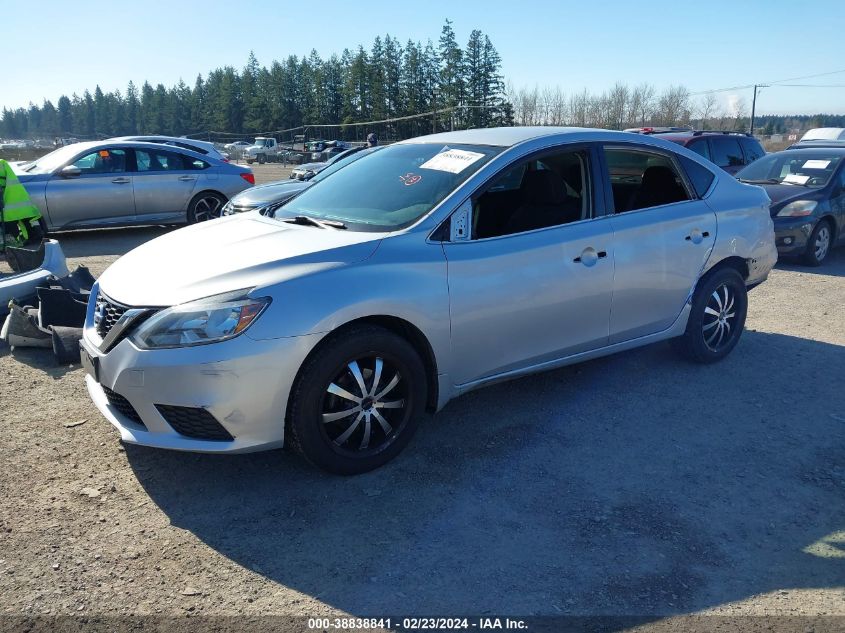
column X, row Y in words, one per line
column 228, row 254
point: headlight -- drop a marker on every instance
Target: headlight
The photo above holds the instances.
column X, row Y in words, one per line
column 798, row 208
column 228, row 209
column 208, row 320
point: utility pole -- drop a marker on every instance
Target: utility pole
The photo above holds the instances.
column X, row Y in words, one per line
column 754, row 104
column 435, row 94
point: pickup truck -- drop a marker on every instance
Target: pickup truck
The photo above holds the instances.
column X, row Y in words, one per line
column 264, row 150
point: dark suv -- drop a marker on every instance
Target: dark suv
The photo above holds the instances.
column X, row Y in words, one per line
column 729, row 150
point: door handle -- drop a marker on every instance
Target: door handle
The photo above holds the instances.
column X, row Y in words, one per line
column 589, row 256
column 120, row 181
column 696, row 236
column 185, row 178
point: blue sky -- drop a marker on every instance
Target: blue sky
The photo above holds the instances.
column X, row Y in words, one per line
column 70, row 46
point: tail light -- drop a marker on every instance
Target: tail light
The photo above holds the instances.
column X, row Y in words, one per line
column 249, row 177
column 225, row 160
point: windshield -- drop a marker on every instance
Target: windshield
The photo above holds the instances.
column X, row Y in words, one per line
column 392, row 188
column 340, row 161
column 52, row 161
column 810, row 169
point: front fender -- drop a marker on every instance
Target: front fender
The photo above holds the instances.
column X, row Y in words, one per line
column 405, row 278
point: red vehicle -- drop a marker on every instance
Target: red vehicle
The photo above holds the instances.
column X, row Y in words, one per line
column 729, row 150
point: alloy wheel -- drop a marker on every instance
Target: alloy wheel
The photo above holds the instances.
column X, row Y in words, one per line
column 719, row 328
column 207, row 208
column 822, row 243
column 364, row 406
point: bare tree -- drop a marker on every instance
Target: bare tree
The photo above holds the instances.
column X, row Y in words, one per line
column 673, row 106
column 617, row 105
column 707, row 108
column 643, row 98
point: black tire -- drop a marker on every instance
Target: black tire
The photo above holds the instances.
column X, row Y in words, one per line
column 262, row 159
column 818, row 246
column 337, row 445
column 713, row 331
column 205, row 206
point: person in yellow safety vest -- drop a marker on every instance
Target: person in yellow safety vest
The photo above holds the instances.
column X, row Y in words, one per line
column 15, row 207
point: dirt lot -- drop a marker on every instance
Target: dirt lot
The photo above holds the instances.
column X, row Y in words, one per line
column 637, row 484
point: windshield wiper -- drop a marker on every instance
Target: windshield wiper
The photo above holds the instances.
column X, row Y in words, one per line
column 767, row 181
column 309, row 221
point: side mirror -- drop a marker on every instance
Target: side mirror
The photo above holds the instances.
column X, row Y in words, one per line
column 70, row 171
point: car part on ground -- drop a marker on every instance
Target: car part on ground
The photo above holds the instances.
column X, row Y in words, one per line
column 54, row 319
column 422, row 271
column 31, row 268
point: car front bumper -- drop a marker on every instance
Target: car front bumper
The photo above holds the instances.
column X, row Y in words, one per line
column 238, row 387
column 791, row 234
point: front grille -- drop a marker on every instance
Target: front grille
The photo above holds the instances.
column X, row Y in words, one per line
column 106, row 314
column 194, row 422
column 122, row 405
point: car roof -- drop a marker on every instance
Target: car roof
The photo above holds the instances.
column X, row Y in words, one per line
column 828, row 149
column 824, row 133
column 511, row 136
column 125, row 142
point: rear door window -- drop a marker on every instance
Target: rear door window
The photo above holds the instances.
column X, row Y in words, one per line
column 641, row 179
column 726, row 152
column 159, row 161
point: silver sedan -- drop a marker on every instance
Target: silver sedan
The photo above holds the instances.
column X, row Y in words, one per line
column 432, row 267
column 119, row 183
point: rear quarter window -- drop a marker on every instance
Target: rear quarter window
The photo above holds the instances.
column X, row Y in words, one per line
column 726, row 152
column 699, row 176
column 753, row 150
column 700, row 147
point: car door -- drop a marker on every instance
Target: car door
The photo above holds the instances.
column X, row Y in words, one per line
column 531, row 273
column 663, row 236
column 99, row 193
column 164, row 182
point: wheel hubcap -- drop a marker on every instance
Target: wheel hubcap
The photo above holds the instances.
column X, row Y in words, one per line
column 364, row 406
column 206, row 209
column 822, row 243
column 719, row 317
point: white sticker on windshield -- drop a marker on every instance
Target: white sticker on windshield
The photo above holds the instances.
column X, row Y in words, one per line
column 816, row 164
column 452, row 160
column 798, row 179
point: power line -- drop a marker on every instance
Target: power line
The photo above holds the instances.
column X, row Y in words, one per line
column 779, row 81
column 809, row 86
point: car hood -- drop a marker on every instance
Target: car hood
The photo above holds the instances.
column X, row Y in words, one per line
column 269, row 193
column 312, row 166
column 786, row 193
column 242, row 251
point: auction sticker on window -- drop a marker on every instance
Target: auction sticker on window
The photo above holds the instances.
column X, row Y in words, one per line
column 797, row 179
column 452, row 160
column 816, row 164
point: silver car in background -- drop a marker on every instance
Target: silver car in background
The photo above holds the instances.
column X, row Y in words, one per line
column 429, row 268
column 206, row 148
column 121, row 183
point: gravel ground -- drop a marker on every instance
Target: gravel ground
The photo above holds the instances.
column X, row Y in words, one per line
column 632, row 485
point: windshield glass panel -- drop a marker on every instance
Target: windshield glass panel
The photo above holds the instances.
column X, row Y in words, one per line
column 810, row 169
column 52, row 161
column 341, row 162
column 392, row 188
